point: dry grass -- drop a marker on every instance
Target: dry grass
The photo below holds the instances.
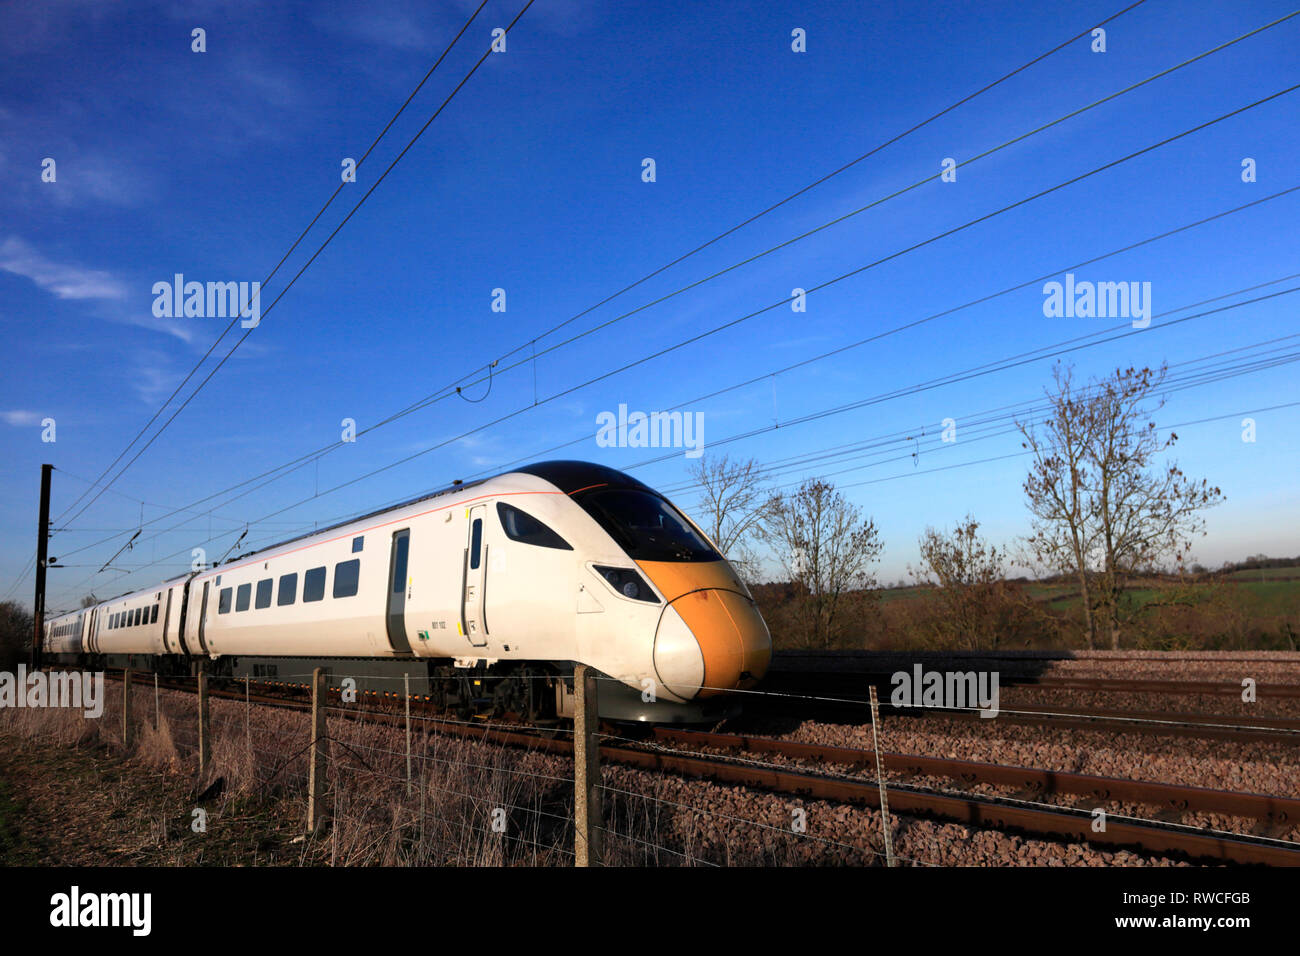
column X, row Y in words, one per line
column 468, row 802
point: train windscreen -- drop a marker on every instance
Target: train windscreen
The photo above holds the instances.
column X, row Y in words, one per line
column 647, row 526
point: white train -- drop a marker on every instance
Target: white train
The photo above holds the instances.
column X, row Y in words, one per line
column 484, row 594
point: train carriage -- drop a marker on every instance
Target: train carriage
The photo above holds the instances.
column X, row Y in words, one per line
column 484, row 593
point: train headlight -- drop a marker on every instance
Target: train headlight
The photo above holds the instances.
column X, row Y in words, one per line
column 627, row 583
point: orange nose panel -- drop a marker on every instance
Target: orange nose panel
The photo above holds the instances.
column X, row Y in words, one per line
column 731, row 633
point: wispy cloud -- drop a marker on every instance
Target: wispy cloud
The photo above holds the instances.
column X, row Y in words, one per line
column 118, row 300
column 63, row 280
column 21, row 419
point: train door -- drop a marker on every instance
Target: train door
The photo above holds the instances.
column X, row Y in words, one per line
column 203, row 618
column 167, row 621
column 399, row 579
column 474, row 575
column 180, row 625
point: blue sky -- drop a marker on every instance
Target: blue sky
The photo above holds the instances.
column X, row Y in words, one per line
column 210, row 164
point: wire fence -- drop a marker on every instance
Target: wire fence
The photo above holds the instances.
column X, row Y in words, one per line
column 410, row 789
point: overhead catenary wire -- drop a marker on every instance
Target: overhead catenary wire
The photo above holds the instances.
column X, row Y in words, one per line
column 305, row 266
column 979, row 370
column 982, row 461
column 444, row 392
column 454, row 389
column 857, row 271
column 283, row 258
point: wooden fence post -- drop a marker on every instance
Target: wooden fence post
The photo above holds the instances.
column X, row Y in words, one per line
column 205, row 744
column 407, row 684
column 126, row 708
column 589, row 833
column 880, row 779
column 316, row 809
column 157, row 705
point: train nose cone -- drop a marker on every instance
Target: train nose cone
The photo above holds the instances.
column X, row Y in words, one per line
column 733, row 638
column 678, row 659
column 708, row 603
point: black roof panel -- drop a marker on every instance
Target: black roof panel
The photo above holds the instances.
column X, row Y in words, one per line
column 571, row 476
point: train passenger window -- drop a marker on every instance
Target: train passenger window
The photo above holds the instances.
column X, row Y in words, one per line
column 476, row 543
column 242, row 597
column 138, row 612
column 264, row 593
column 223, row 602
column 399, row 564
column 313, row 585
column 520, row 526
column 346, row 576
column 153, row 616
column 358, row 544
column 288, row 589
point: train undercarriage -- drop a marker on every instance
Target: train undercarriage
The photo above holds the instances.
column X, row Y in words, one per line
column 540, row 693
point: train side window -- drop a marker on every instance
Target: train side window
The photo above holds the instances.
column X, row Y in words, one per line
column 358, row 544
column 476, row 543
column 399, row 563
column 347, row 574
column 223, row 603
column 153, row 616
column 243, row 596
column 521, row 526
column 288, row 589
column 138, row 612
column 313, row 585
column 264, row 593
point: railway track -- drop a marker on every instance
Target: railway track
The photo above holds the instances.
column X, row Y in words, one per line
column 842, row 698
column 855, row 680
column 1272, row 810
column 1061, row 823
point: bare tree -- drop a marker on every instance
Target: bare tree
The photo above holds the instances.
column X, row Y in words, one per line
column 1144, row 514
column 973, row 600
column 1062, row 532
column 827, row 547
column 1103, row 510
column 731, row 506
